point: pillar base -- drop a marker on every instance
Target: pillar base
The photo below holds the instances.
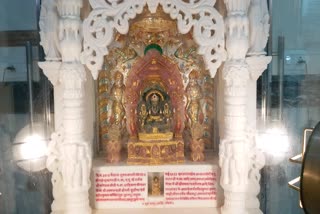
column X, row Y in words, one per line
column 234, row 202
column 77, row 202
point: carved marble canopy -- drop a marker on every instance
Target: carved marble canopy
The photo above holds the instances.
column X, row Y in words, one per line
column 109, row 16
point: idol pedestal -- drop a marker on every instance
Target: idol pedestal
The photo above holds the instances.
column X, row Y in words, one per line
column 157, row 152
column 186, row 185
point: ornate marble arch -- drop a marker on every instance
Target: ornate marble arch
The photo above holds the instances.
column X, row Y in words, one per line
column 110, row 15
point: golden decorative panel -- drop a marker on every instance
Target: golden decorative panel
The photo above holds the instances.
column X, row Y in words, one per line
column 155, row 95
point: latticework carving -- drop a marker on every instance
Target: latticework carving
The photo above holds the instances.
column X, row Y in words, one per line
column 107, row 16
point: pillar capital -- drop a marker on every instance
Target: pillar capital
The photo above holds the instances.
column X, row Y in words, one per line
column 237, row 7
column 236, row 73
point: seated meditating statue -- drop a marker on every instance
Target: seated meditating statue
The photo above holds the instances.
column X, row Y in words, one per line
column 155, row 114
column 155, row 143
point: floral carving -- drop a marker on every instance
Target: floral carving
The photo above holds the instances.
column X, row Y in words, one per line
column 107, row 16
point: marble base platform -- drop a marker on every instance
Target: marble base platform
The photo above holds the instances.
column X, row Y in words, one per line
column 186, row 185
column 160, row 211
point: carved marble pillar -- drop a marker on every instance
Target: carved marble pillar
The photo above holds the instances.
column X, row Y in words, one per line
column 259, row 31
column 234, row 147
column 75, row 151
column 246, row 31
column 233, row 157
column 69, row 156
column 49, row 29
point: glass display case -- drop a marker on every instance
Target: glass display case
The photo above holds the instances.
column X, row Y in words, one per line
column 164, row 101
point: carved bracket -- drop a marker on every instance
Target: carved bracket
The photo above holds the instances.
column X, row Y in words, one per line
column 257, row 64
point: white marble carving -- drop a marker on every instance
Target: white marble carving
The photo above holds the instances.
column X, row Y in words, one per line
column 69, row 157
column 257, row 161
column 54, row 166
column 233, row 156
column 237, row 28
column 70, row 33
column 257, row 64
column 49, row 21
column 61, row 36
column 107, row 16
column 237, row 7
column 75, row 154
column 259, row 26
column 234, row 147
column 240, row 161
column 51, row 70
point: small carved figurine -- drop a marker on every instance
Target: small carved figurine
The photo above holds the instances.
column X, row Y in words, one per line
column 49, row 22
column 194, row 94
column 116, row 119
column 142, row 115
column 193, row 108
column 155, row 188
column 167, row 113
column 117, row 99
column 259, row 26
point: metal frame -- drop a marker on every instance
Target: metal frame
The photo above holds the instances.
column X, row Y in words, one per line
column 19, row 38
column 299, row 159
